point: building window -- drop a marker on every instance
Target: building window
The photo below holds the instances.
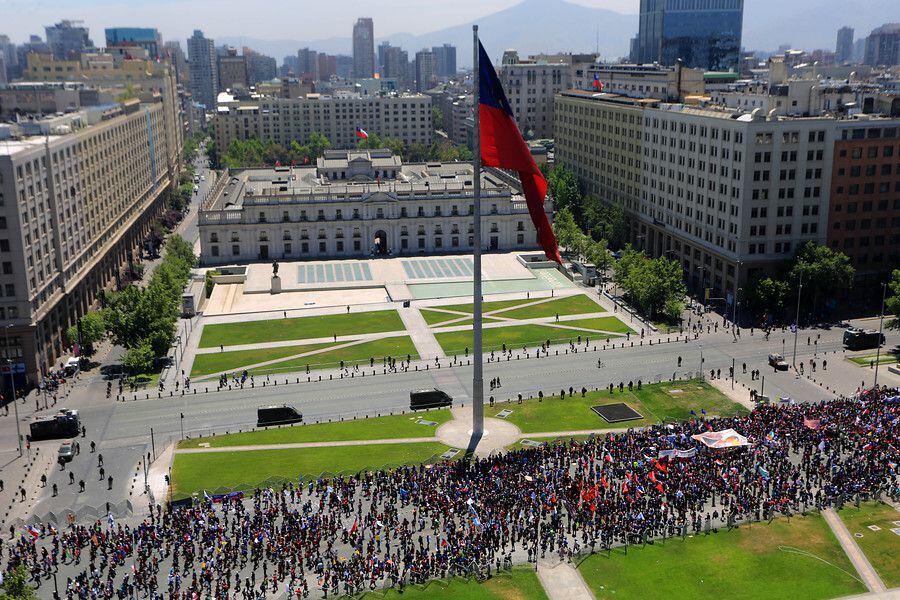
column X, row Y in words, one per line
column 235, row 250
column 321, row 247
column 520, row 238
column 340, row 245
column 215, row 250
column 287, row 248
column 356, row 245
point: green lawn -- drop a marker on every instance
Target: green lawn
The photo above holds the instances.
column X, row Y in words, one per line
column 886, row 358
column 244, row 470
column 376, row 428
column 514, row 336
column 299, row 328
column 216, row 362
column 654, row 402
column 599, row 323
column 485, row 306
column 745, row 563
column 435, row 317
column 882, row 548
column 519, row 584
column 396, row 347
column 578, row 304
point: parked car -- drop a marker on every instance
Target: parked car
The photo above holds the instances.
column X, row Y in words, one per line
column 433, row 398
column 66, row 452
column 777, row 361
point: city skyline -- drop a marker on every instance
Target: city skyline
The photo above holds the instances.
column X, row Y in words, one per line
column 334, row 22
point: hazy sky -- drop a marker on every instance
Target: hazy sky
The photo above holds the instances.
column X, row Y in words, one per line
column 317, row 19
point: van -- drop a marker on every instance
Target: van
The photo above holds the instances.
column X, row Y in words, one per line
column 433, row 398
column 277, row 415
column 73, row 365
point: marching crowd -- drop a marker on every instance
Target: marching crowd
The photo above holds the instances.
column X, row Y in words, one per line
column 347, row 535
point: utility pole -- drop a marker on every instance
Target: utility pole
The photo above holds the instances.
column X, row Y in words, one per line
column 797, row 319
column 880, row 325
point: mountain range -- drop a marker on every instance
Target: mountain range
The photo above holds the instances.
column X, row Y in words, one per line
column 535, row 26
column 530, row 27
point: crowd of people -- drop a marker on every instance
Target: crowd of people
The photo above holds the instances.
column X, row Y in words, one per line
column 407, row 525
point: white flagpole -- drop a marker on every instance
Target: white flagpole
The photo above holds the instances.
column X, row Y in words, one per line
column 477, row 372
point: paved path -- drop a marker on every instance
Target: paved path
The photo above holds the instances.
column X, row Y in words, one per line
column 421, row 335
column 306, row 445
column 862, row 565
column 893, row 594
column 563, row 582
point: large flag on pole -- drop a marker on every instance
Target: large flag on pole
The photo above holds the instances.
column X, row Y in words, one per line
column 502, row 146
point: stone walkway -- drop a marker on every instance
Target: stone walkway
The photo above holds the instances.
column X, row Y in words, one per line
column 563, row 582
column 421, row 335
column 860, row 562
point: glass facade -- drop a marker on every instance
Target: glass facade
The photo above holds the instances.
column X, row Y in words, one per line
column 704, row 34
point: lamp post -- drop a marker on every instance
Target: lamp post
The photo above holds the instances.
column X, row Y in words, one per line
column 880, row 325
column 797, row 319
column 699, row 345
column 12, row 385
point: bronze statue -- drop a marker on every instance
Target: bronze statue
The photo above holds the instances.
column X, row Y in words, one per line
column 274, row 268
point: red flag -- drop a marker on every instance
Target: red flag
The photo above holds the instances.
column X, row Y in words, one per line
column 604, row 482
column 652, row 477
column 502, row 146
column 355, row 527
column 660, row 488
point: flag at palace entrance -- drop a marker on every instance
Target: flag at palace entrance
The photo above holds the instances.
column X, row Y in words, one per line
column 502, row 146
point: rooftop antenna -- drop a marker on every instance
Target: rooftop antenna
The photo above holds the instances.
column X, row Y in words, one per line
column 597, row 47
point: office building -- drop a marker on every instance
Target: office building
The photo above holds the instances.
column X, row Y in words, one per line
column 232, row 70
column 424, row 70
column 729, row 196
column 343, row 66
column 327, row 66
column 283, row 120
column 703, row 34
column 530, row 87
column 307, row 64
column 843, row 49
column 670, row 84
column 444, row 60
column 364, row 48
column 382, row 48
column 176, row 56
column 147, row 38
column 259, row 66
column 204, row 69
column 10, row 56
column 358, row 203
column 68, row 39
column 79, row 192
column 864, row 212
column 396, row 63
column 883, row 46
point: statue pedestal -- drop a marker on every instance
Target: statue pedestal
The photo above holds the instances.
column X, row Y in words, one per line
column 276, row 284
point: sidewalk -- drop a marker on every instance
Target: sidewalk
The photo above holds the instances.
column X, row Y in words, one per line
column 563, row 582
column 860, row 562
column 420, row 334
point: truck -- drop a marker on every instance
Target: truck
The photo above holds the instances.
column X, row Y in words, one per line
column 277, row 415
column 857, row 338
column 433, row 398
column 64, row 424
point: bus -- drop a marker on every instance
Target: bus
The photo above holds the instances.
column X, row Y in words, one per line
column 862, row 339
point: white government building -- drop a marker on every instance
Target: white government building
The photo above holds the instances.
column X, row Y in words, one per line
column 359, row 203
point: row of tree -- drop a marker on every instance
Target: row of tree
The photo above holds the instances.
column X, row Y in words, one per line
column 601, row 221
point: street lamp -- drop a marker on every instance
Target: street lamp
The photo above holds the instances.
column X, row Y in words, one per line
column 880, row 324
column 699, row 345
column 797, row 319
column 12, row 385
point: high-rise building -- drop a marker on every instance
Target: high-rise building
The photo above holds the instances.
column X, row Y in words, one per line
column 232, row 70
column 10, row 56
column 530, row 87
column 179, row 61
column 259, row 66
column 307, row 64
column 843, row 49
column 81, row 190
column 147, row 38
column 424, row 70
column 327, row 66
column 444, row 60
column 204, row 70
column 67, row 38
column 396, row 62
column 883, row 46
column 382, row 48
column 704, row 34
column 364, row 48
column 343, row 66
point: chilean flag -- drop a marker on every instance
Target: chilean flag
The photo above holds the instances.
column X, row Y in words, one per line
column 598, row 85
column 502, row 146
column 361, row 133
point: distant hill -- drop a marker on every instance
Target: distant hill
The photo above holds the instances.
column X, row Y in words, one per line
column 530, row 27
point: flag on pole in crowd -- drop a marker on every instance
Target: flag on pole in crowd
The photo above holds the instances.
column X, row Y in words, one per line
column 502, row 146
column 33, row 531
column 361, row 133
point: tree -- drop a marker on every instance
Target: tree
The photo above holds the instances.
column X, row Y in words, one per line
column 768, row 295
column 822, row 269
column 15, row 585
column 599, row 255
column 138, row 360
column 437, row 118
column 565, row 228
column 93, row 329
column 892, row 302
column 563, row 188
column 654, row 286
